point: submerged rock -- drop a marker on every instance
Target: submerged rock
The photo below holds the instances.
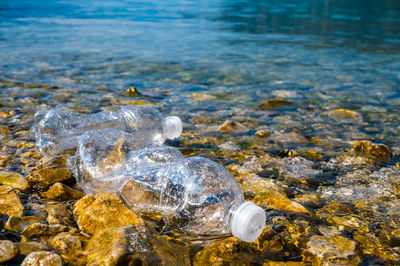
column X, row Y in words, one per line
column 333, row 249
column 26, row 248
column 61, row 192
column 14, row 180
column 105, row 211
column 8, row 251
column 230, row 251
column 203, row 97
column 59, row 213
column 40, row 229
column 39, row 258
column 230, row 126
column 275, row 103
column 70, row 247
column 10, row 203
column 345, row 115
column 19, row 224
column 49, row 172
column 378, row 152
column 133, row 245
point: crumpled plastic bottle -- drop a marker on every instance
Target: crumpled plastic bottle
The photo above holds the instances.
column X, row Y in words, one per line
column 194, row 195
column 55, row 130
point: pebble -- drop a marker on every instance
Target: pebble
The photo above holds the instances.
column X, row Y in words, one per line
column 10, row 203
column 61, row 192
column 41, row 258
column 8, row 251
column 105, row 211
column 14, row 180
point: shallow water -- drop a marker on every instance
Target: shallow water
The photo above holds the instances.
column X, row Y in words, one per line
column 319, row 55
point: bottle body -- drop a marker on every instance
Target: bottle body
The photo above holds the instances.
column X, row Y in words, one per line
column 56, row 130
column 193, row 194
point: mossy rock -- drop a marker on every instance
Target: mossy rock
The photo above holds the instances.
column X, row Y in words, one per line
column 377, row 152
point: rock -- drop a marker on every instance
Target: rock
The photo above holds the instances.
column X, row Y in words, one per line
column 14, row 180
column 275, row 103
column 10, row 203
column 40, row 258
column 133, row 91
column 70, row 247
column 49, row 172
column 230, row 251
column 8, row 250
column 105, row 211
column 275, row 200
column 19, row 224
column 331, row 249
column 230, row 126
column 203, row 97
column 345, row 115
column 61, row 192
column 133, row 245
column 263, row 133
column 40, row 229
column 26, row 248
column 378, row 152
column 59, row 213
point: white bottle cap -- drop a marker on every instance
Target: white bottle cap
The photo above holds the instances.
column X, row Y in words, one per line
column 248, row 221
column 172, row 127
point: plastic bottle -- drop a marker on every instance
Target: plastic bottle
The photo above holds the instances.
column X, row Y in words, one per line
column 55, row 130
column 194, row 195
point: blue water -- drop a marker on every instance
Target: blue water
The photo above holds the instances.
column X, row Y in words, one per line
column 247, row 44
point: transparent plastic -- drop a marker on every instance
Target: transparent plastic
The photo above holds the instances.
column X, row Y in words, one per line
column 193, row 194
column 55, row 130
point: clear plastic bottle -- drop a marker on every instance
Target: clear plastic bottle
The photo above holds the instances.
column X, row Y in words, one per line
column 193, row 194
column 55, row 130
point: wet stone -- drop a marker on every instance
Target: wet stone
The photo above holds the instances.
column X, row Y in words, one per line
column 40, row 229
column 230, row 126
column 19, row 224
column 14, row 180
column 10, row 203
column 105, row 211
column 275, row 103
column 8, row 251
column 203, row 97
column 230, row 251
column 42, row 258
column 26, row 248
column 344, row 115
column 133, row 245
column 70, row 247
column 61, row 192
column 331, row 249
column 59, row 213
column 378, row 152
column 49, row 172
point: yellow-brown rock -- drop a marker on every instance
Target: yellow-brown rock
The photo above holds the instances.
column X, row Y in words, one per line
column 203, row 97
column 10, row 203
column 49, row 172
column 14, row 180
column 275, row 103
column 133, row 245
column 378, row 152
column 40, row 258
column 19, row 224
column 8, row 251
column 40, row 229
column 333, row 249
column 230, row 126
column 26, row 248
column 272, row 199
column 61, row 192
column 70, row 247
column 344, row 114
column 230, row 251
column 105, row 211
column 59, row 213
